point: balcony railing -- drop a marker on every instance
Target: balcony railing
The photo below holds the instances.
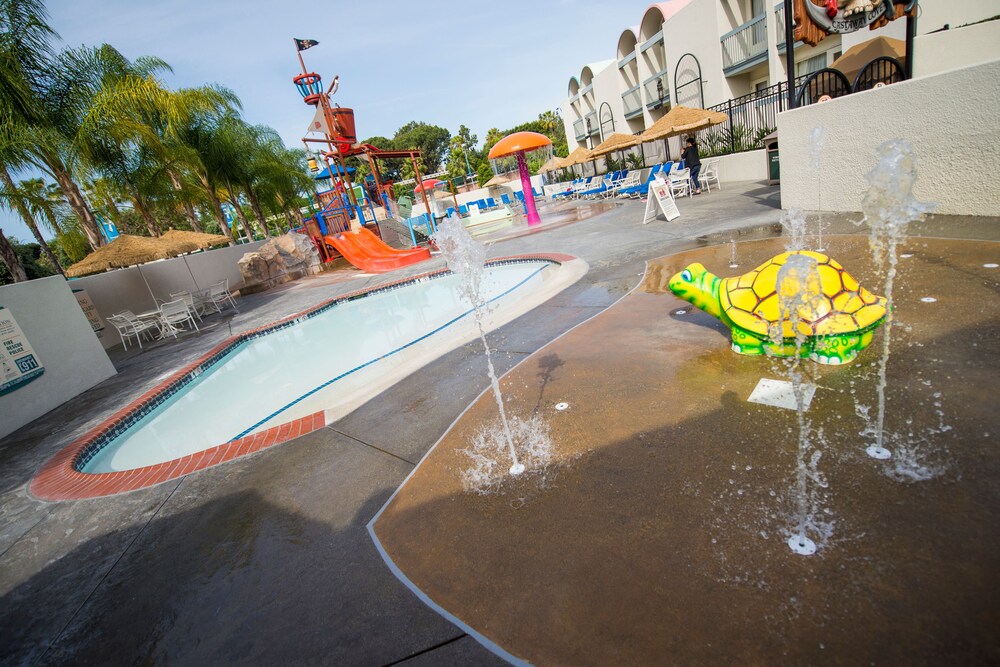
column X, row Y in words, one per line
column 595, row 127
column 779, row 20
column 655, row 95
column 652, row 41
column 586, row 89
column 579, row 130
column 632, row 102
column 747, row 45
column 626, row 60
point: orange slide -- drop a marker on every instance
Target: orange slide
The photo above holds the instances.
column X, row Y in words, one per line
column 366, row 251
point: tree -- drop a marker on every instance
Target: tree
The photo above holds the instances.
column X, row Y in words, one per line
column 18, row 198
column 390, row 169
column 430, row 140
column 29, row 261
column 11, row 261
column 462, row 152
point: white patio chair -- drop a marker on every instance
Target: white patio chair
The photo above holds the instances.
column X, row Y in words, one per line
column 189, row 299
column 220, row 296
column 629, row 181
column 129, row 327
column 680, row 183
column 709, row 172
column 175, row 313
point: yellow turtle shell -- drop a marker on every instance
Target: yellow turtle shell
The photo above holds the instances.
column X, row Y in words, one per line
column 751, row 300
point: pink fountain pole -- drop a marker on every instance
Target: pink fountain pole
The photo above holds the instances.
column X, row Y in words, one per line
column 529, row 194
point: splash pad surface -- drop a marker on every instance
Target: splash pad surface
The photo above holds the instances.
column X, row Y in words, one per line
column 660, row 528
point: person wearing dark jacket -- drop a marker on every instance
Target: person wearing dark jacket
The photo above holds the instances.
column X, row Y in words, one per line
column 692, row 162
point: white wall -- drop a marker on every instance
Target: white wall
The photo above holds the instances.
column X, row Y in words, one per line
column 950, row 119
column 952, row 49
column 125, row 289
column 64, row 343
column 748, row 166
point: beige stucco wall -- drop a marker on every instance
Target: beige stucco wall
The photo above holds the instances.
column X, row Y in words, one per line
column 951, row 49
column 950, row 119
column 58, row 331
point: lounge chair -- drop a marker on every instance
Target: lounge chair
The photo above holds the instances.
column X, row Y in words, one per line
column 505, row 198
column 642, row 189
column 632, row 180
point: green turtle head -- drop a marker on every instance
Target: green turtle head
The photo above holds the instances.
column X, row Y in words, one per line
column 699, row 286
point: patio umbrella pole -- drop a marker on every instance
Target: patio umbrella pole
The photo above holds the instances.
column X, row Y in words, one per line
column 152, row 296
column 196, row 287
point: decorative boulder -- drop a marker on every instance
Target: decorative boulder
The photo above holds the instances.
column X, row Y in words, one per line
column 280, row 260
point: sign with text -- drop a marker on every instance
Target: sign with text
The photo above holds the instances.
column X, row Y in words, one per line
column 89, row 309
column 18, row 363
column 660, row 200
column 815, row 19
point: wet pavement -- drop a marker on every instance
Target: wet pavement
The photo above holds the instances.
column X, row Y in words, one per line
column 266, row 559
column 658, row 533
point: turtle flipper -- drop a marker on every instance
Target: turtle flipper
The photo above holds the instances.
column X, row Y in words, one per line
column 840, row 349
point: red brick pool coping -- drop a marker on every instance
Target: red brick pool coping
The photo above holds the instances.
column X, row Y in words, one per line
column 58, row 478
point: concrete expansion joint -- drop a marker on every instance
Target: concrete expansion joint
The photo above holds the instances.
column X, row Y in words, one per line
column 371, row 446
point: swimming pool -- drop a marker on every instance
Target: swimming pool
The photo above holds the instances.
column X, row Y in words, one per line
column 273, row 384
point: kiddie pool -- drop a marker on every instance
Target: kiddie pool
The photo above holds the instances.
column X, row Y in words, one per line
column 278, row 382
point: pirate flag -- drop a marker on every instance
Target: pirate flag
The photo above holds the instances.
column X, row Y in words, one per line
column 303, row 44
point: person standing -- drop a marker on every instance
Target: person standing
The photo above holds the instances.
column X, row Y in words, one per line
column 692, row 162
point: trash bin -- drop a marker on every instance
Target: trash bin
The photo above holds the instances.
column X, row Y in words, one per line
column 773, row 165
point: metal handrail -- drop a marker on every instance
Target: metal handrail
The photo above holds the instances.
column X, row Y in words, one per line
column 745, row 42
column 579, row 130
column 632, row 101
column 626, row 60
column 658, row 37
column 649, row 86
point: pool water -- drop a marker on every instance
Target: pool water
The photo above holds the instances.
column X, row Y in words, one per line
column 304, row 368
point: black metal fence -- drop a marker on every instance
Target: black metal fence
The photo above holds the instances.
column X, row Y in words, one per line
column 751, row 118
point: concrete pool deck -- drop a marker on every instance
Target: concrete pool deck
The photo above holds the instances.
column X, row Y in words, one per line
column 267, row 559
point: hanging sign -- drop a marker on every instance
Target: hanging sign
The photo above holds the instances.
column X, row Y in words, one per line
column 661, row 200
column 18, row 363
column 815, row 19
column 89, row 309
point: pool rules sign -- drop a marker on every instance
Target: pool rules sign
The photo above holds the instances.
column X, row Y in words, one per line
column 661, row 198
column 18, row 363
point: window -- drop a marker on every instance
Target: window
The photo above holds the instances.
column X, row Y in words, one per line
column 811, row 65
column 756, row 8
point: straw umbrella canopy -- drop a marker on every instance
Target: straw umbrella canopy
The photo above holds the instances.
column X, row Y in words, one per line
column 616, row 142
column 578, row 156
column 126, row 250
column 552, row 164
column 499, row 179
column 681, row 120
column 183, row 241
column 859, row 55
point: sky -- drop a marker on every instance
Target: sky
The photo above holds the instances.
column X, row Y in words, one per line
column 444, row 62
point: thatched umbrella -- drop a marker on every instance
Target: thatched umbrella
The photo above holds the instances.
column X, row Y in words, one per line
column 681, row 120
column 499, row 179
column 578, row 156
column 552, row 164
column 191, row 241
column 616, row 142
column 859, row 55
column 126, row 250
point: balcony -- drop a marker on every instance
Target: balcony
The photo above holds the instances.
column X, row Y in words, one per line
column 632, row 102
column 779, row 28
column 657, row 90
column 745, row 47
column 590, row 120
column 586, row 89
column 578, row 130
column 626, row 60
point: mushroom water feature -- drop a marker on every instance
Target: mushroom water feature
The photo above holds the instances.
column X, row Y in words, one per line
column 517, row 145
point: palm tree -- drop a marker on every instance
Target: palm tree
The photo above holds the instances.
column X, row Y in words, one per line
column 17, row 198
column 9, row 256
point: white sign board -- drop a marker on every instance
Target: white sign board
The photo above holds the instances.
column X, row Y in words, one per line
column 89, row 309
column 18, row 363
column 660, row 200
